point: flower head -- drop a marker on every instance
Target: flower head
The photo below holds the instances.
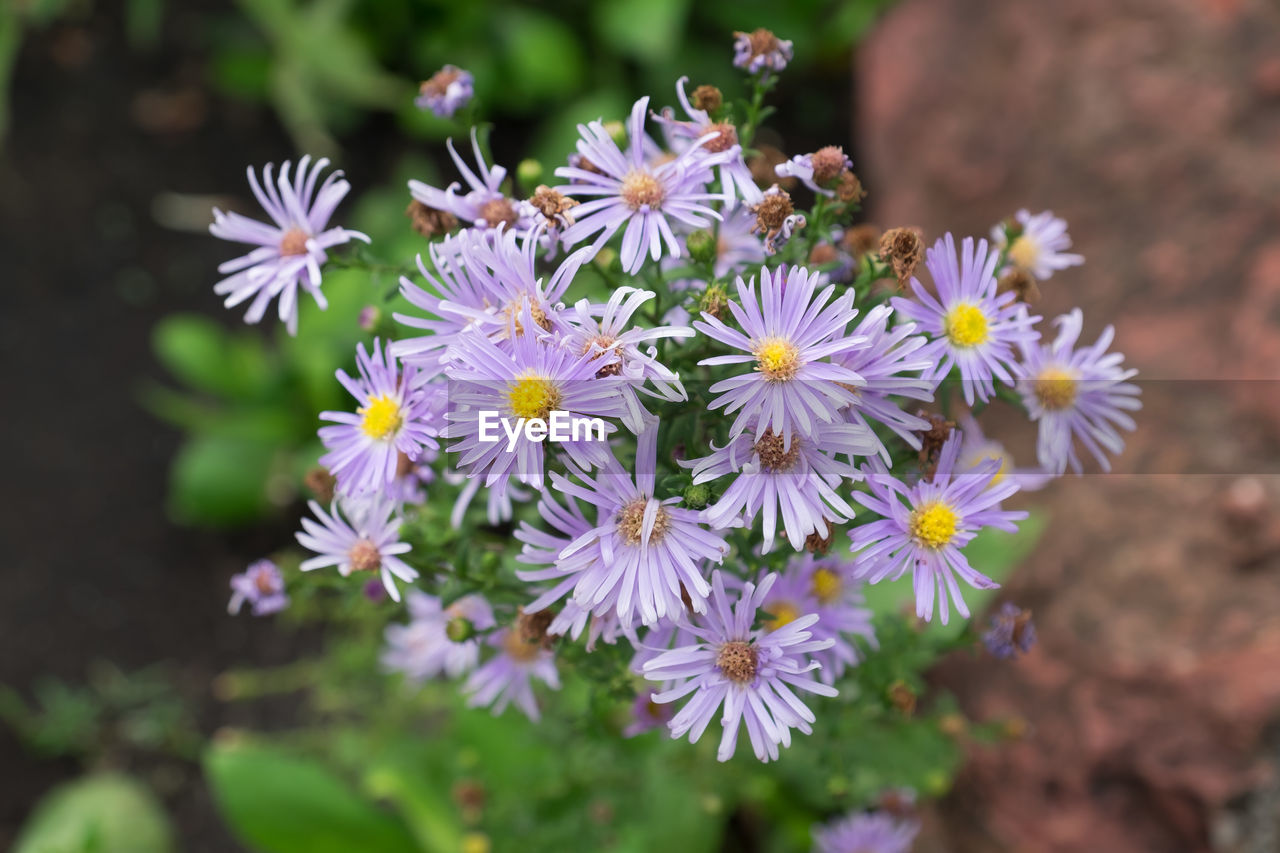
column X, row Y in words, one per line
column 262, row 586
column 1038, row 243
column 447, row 91
column 735, row 177
column 753, row 673
column 484, row 205
column 438, row 640
column 866, row 832
column 1077, row 394
column 1011, row 632
column 647, row 714
column 924, row 527
column 817, row 171
column 358, row 535
column 288, row 253
column 507, row 677
column 760, row 50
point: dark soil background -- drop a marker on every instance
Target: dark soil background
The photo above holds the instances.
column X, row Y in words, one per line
column 1152, row 125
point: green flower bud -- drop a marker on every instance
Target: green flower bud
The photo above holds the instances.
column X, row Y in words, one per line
column 529, row 172
column 715, row 300
column 460, row 629
column 697, row 496
column 702, row 246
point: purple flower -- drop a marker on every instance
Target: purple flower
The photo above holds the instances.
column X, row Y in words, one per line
column 923, row 527
column 1077, row 394
column 822, row 166
column 760, row 51
column 392, row 422
column 1039, row 244
column 754, row 674
column 641, row 559
column 358, row 535
column 449, row 90
column 438, row 640
column 484, row 206
column 790, row 334
column 262, row 586
column 632, row 192
column 1011, row 632
column 797, row 482
column 976, row 448
column 866, row 832
column 508, row 676
column 974, row 328
column 735, row 177
column 290, row 251
column 646, row 714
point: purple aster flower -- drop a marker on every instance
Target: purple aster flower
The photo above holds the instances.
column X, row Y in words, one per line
column 816, row 170
column 866, row 832
column 790, row 334
column 976, row 448
column 1077, row 394
column 647, row 714
column 447, row 91
column 798, row 482
column 602, row 329
column 507, row 677
column 438, row 640
column 393, row 421
column 262, row 586
column 484, row 206
column 735, row 177
column 631, row 191
column 494, row 391
column 760, row 51
column 1011, row 632
column 289, row 251
column 892, row 364
column 974, row 328
column 358, row 535
column 754, row 674
column 642, row 558
column 1038, row 244
column 924, row 526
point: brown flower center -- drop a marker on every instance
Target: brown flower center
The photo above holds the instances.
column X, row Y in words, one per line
column 641, row 189
column 738, row 661
column 631, row 522
column 727, row 139
column 827, row 163
column 769, row 447
column 772, row 211
column 364, row 556
column 294, row 242
column 497, row 212
column 439, row 82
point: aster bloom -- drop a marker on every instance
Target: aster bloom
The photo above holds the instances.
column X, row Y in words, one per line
column 866, row 832
column 759, row 51
column 447, row 91
column 602, row 330
column 1038, row 243
column 261, row 586
column 789, row 333
column 974, row 328
column 627, row 189
column 641, row 559
column 358, row 535
column 923, row 527
column 438, row 640
column 289, row 251
column 1011, row 632
column 797, row 482
column 735, row 177
column 646, row 714
column 393, row 422
column 892, row 364
column 816, row 170
column 507, row 677
column 484, row 206
column 976, row 448
column 1077, row 394
column 753, row 674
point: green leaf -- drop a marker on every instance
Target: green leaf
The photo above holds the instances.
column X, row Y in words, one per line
column 107, row 813
column 279, row 803
column 220, row 481
column 542, row 55
column 206, row 357
column 648, row 30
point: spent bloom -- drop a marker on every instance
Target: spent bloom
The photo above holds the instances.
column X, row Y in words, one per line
column 437, row 640
column 735, row 177
column 792, row 335
column 818, row 170
column 392, row 423
column 924, row 527
column 484, row 205
column 753, row 674
column 1038, row 243
column 507, row 677
column 625, row 189
column 261, row 586
column 447, row 91
column 1077, row 394
column 866, row 832
column 1011, row 632
column 974, row 328
column 358, row 535
column 760, row 50
column 288, row 252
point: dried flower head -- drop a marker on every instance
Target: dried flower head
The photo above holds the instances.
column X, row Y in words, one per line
column 903, row 249
column 707, row 98
column 849, row 189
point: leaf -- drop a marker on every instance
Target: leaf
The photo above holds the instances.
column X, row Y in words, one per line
column 279, row 803
column 203, row 355
column 542, row 55
column 107, row 813
column 220, row 481
column 649, row 30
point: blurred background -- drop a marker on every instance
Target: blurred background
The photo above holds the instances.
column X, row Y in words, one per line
column 1144, row 716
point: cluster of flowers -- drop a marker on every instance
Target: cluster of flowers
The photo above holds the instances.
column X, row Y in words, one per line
column 807, row 374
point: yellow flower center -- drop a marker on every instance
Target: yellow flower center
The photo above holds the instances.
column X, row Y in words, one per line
column 1002, row 458
column 533, row 397
column 780, row 613
column 933, row 525
column 778, row 358
column 966, row 325
column 826, row 586
column 1055, row 388
column 381, row 417
column 518, row 648
column 1024, row 252
column 640, row 189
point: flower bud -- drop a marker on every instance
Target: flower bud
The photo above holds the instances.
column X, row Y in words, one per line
column 697, row 496
column 459, row 629
column 702, row 246
column 529, row 172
